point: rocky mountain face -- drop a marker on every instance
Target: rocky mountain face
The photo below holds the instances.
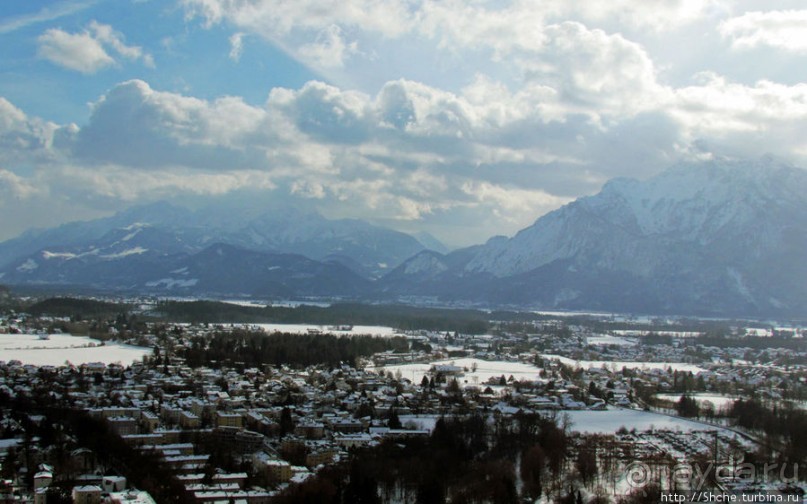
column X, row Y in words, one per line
column 716, row 238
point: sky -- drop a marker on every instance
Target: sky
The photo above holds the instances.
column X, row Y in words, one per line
column 461, row 118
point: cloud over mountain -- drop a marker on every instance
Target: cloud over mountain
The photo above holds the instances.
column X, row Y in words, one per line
column 461, row 119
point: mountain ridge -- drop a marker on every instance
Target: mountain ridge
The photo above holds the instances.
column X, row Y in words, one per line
column 367, row 249
column 717, row 238
column 724, row 237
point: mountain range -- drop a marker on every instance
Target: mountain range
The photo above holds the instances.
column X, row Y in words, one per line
column 716, row 238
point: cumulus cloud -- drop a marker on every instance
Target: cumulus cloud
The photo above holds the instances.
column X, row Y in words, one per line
column 80, row 52
column 506, row 34
column 565, row 106
column 412, row 151
column 87, row 52
column 24, row 140
column 329, row 49
column 324, row 111
column 785, row 30
column 137, row 126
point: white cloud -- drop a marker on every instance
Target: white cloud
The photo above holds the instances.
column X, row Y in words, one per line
column 315, row 32
column 648, row 14
column 236, row 46
column 111, row 38
column 12, row 186
column 23, row 140
column 80, row 52
column 743, row 121
column 120, row 184
column 324, row 112
column 496, row 152
column 513, row 202
column 329, row 50
column 424, row 111
column 48, row 13
column 278, row 17
column 135, row 125
column 785, row 30
column 439, row 111
column 595, row 71
column 87, row 52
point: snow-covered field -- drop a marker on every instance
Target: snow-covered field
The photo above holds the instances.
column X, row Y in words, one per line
column 618, row 365
column 305, row 328
column 717, row 400
column 674, row 334
column 609, row 421
column 484, row 370
column 420, row 422
column 62, row 348
column 606, row 339
column 274, row 304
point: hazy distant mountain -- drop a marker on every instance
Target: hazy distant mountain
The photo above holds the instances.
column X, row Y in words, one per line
column 430, row 242
column 712, row 238
column 163, row 229
column 217, row 270
column 717, row 238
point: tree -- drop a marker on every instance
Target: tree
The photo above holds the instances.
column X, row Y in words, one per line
column 687, row 407
column 453, row 388
column 58, row 495
column 533, row 462
column 365, row 409
column 362, row 487
column 430, row 491
column 9, row 466
column 394, row 422
column 286, row 422
column 587, row 463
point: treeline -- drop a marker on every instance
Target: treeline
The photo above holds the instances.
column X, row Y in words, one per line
column 254, row 349
column 399, row 316
column 463, row 461
column 784, row 427
column 752, row 342
column 77, row 308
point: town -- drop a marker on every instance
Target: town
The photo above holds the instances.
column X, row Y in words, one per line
column 249, row 413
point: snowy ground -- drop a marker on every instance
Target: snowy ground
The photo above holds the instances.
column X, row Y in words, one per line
column 717, row 400
column 605, row 339
column 274, row 304
column 304, row 328
column 609, row 421
column 61, row 348
column 244, row 302
column 674, row 334
column 419, row 422
column 484, row 370
column 618, row 365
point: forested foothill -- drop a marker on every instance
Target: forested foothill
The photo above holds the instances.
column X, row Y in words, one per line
column 256, row 348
